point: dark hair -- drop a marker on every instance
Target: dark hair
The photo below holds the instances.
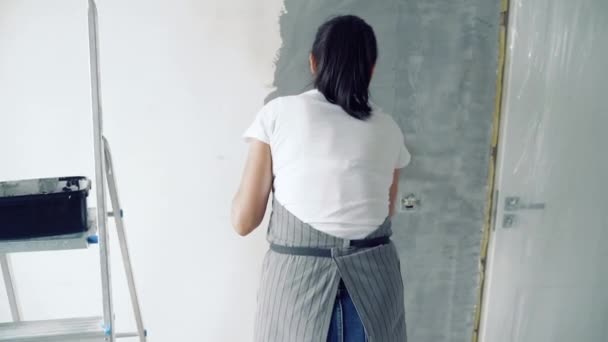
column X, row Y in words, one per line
column 345, row 52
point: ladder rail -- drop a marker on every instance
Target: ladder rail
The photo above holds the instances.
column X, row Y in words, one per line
column 104, row 237
column 122, row 239
column 11, row 289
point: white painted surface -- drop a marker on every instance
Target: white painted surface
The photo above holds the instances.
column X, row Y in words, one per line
column 547, row 274
column 181, row 80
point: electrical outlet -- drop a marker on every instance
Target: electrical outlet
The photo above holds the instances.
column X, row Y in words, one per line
column 409, row 202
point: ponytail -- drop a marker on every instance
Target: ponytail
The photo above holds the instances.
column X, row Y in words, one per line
column 345, row 52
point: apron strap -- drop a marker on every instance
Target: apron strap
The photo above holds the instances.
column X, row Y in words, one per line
column 327, row 252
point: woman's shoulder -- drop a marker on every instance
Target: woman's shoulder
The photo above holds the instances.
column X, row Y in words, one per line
column 386, row 123
column 382, row 116
column 278, row 102
column 290, row 103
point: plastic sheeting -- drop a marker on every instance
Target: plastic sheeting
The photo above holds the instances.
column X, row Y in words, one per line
column 547, row 272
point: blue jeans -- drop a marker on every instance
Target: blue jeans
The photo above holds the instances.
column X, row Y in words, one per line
column 345, row 326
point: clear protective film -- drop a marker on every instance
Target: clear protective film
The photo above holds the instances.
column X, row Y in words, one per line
column 547, row 275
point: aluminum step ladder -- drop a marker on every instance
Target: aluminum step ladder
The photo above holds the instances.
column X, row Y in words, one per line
column 85, row 329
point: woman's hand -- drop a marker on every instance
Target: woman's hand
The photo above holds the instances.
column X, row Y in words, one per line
column 250, row 201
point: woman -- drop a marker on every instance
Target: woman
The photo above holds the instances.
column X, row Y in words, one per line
column 332, row 161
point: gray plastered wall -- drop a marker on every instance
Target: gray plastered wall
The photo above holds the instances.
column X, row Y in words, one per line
column 436, row 75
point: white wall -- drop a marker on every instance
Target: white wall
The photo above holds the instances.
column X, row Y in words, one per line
column 180, row 82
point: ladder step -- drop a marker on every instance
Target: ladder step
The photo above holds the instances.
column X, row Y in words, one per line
column 52, row 243
column 73, row 329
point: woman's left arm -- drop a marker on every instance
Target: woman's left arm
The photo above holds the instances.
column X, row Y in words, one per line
column 393, row 193
column 249, row 203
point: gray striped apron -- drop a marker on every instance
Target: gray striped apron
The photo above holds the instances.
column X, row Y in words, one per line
column 297, row 292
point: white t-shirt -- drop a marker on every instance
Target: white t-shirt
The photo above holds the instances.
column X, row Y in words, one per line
column 331, row 170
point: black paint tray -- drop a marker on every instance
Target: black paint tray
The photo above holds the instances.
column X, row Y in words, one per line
column 43, row 207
